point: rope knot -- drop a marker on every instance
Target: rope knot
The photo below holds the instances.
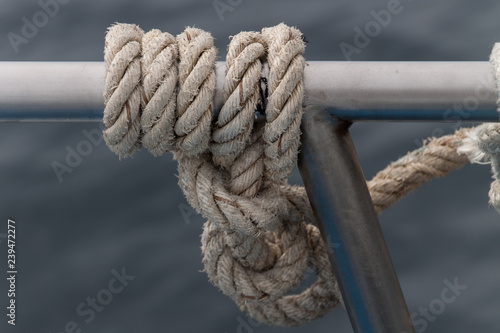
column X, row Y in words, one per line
column 259, row 239
column 260, row 236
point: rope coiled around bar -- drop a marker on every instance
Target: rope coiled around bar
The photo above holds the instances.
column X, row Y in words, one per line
column 260, row 235
column 122, row 95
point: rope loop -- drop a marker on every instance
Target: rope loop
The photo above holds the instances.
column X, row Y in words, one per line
column 234, row 124
column 159, row 97
column 197, row 55
column 284, row 103
column 122, row 91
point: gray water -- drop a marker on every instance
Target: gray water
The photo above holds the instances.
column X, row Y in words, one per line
column 108, row 215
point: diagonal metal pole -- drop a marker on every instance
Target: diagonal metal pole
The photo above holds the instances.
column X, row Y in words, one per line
column 341, row 202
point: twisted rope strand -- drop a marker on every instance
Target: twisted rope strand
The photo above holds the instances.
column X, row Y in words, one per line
column 241, row 95
column 284, row 103
column 197, row 56
column 122, row 92
column 436, row 158
column 159, row 64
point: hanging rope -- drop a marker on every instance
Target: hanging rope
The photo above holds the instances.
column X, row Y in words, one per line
column 436, row 158
column 439, row 156
column 260, row 236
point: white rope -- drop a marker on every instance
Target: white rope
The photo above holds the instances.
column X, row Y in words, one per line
column 159, row 65
column 235, row 121
column 260, row 236
column 284, row 105
column 197, row 56
column 258, row 264
column 122, row 92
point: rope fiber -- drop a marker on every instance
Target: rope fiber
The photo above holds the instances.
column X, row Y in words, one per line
column 260, row 236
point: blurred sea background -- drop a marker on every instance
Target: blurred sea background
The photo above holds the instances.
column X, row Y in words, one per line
column 111, row 215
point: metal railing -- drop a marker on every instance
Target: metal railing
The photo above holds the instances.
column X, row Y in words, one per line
column 427, row 91
column 337, row 93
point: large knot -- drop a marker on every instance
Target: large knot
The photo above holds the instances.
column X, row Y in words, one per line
column 259, row 238
column 205, row 190
column 263, row 290
column 258, row 277
column 314, row 302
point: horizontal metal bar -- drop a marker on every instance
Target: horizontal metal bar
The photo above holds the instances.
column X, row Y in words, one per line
column 406, row 91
